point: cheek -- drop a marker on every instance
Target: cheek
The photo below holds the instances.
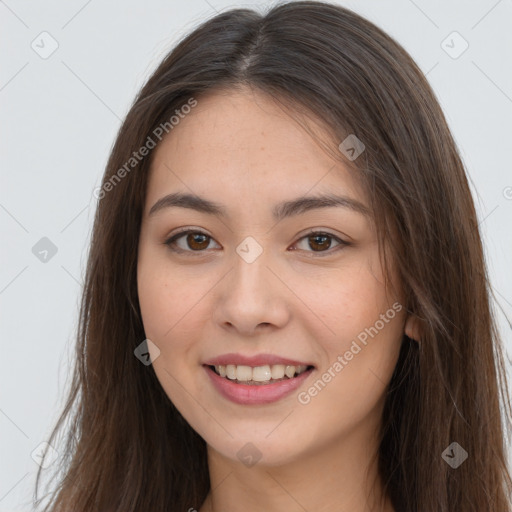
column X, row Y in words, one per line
column 155, row 297
column 161, row 295
column 172, row 304
column 344, row 301
column 169, row 308
column 352, row 383
column 361, row 335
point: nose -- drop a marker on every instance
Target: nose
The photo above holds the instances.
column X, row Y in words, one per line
column 252, row 298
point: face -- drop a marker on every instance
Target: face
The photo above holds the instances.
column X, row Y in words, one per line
column 258, row 290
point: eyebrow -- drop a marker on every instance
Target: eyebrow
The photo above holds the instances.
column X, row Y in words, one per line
column 280, row 211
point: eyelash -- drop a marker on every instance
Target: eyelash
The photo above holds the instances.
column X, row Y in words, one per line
column 171, row 242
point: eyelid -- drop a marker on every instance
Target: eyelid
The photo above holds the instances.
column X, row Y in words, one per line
column 185, row 231
column 310, row 231
column 329, row 252
column 319, row 231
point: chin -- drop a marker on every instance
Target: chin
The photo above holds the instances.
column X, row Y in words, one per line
column 260, row 452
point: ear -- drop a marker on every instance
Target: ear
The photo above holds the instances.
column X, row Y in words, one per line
column 413, row 328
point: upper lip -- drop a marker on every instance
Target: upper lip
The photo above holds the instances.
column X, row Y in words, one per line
column 257, row 360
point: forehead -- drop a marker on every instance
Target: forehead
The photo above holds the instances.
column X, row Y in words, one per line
column 245, row 142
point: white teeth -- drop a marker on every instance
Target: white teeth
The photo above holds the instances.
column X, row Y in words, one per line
column 243, row 373
column 264, row 373
column 290, row 371
column 261, row 373
column 230, row 371
column 277, row 371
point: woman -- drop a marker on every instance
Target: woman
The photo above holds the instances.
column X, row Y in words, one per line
column 286, row 304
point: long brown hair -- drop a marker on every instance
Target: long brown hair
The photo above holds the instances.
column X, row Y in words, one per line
column 127, row 448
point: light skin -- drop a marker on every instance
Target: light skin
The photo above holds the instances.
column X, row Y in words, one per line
column 301, row 298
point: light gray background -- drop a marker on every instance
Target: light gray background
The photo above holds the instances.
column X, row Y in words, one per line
column 59, row 119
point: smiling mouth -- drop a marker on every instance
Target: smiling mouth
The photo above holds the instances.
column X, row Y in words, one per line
column 259, row 375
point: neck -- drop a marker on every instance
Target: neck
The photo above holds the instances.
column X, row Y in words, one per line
column 342, row 477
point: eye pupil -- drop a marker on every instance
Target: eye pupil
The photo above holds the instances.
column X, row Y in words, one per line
column 192, row 240
column 323, row 237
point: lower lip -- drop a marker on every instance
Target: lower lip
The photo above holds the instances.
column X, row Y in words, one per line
column 247, row 394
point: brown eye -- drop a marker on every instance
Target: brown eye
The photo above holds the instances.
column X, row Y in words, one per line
column 197, row 241
column 189, row 241
column 319, row 242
